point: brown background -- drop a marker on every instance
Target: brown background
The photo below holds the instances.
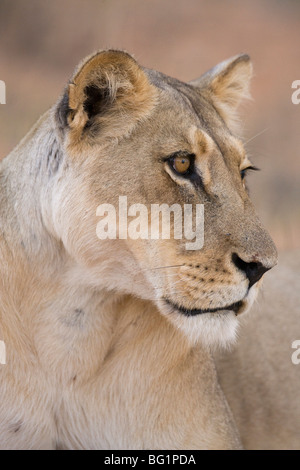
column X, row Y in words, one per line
column 41, row 41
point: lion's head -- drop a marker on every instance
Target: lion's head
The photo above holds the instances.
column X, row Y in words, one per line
column 132, row 132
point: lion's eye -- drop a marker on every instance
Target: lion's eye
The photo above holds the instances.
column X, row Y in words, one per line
column 182, row 164
column 244, row 171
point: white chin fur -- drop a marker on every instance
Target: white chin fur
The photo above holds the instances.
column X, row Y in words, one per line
column 213, row 330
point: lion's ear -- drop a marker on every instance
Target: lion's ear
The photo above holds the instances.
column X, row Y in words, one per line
column 227, row 85
column 108, row 93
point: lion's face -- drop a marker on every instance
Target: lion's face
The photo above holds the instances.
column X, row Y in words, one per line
column 141, row 135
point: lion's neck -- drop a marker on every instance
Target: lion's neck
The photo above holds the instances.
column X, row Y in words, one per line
column 24, row 190
column 41, row 287
column 71, row 331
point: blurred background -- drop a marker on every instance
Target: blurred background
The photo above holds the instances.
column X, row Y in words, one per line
column 42, row 41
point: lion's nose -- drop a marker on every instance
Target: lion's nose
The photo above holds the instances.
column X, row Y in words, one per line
column 253, row 270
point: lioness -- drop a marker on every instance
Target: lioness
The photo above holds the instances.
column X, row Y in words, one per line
column 108, row 341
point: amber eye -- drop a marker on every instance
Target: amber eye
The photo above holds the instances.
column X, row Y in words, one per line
column 181, row 164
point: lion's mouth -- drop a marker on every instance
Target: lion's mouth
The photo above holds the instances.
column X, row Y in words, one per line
column 236, row 307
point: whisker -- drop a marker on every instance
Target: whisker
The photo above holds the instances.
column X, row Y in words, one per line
column 257, row 135
column 165, row 267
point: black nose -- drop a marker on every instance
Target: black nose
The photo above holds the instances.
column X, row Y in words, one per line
column 254, row 270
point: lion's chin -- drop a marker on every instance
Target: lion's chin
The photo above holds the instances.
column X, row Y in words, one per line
column 215, row 327
column 213, row 330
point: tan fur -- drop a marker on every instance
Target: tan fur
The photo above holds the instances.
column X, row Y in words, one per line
column 96, row 357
